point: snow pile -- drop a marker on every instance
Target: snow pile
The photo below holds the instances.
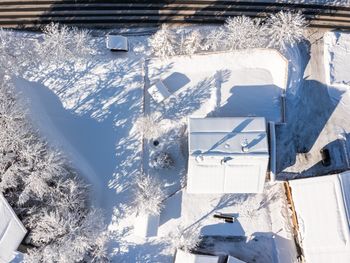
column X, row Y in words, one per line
column 337, row 57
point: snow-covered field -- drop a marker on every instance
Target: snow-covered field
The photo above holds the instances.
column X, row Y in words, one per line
column 89, row 111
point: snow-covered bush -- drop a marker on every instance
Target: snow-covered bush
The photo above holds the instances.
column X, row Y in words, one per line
column 45, row 192
column 185, row 239
column 243, row 32
column 148, row 195
column 163, row 42
column 61, row 43
column 162, row 160
column 285, row 28
column 149, row 126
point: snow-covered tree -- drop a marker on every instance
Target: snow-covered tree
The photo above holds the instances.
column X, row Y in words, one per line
column 61, row 44
column 216, row 39
column 185, row 239
column 149, row 126
column 45, row 192
column 162, row 160
column 163, row 42
column 285, row 28
column 13, row 56
column 148, row 195
column 243, row 32
column 191, row 42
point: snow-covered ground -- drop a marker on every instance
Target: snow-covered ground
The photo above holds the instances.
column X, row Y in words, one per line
column 229, row 84
column 337, row 68
column 89, row 111
column 316, row 112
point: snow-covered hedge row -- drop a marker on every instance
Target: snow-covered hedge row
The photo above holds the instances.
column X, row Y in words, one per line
column 40, row 184
column 277, row 31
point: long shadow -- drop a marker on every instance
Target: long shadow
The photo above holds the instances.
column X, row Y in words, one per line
column 307, row 116
column 339, row 160
column 257, row 101
column 81, row 137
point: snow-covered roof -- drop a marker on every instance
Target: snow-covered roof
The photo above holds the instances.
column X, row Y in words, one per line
column 117, row 42
column 232, row 259
column 322, row 206
column 227, row 155
column 11, row 231
column 186, row 257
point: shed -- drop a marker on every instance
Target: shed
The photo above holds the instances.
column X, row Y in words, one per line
column 322, row 206
column 117, row 42
column 187, row 257
column 12, row 231
column 227, row 155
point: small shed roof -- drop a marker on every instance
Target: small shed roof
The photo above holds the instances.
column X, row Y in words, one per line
column 186, row 257
column 117, row 42
column 12, row 231
column 322, row 206
column 227, row 155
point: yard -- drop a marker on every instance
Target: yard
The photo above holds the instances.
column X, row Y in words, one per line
column 90, row 111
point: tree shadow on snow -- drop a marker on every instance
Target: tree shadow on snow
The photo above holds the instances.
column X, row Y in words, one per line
column 307, row 115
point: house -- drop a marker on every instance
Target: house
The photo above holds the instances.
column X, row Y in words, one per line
column 227, row 155
column 12, row 231
column 321, row 205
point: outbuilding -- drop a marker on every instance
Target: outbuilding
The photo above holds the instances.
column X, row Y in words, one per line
column 227, row 155
column 12, row 231
column 322, row 206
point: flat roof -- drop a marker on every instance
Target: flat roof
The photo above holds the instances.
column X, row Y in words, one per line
column 322, row 205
